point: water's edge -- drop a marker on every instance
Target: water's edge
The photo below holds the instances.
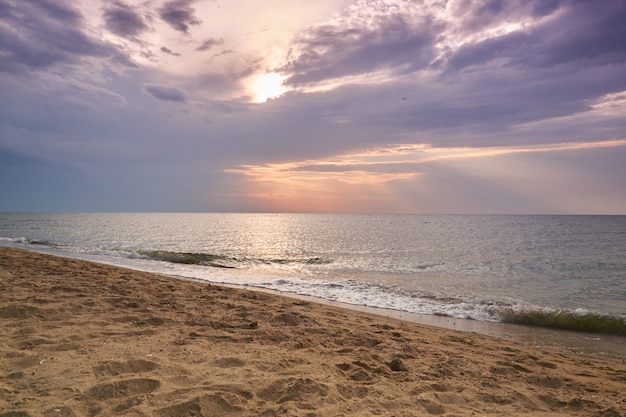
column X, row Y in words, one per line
column 578, row 342
column 581, row 343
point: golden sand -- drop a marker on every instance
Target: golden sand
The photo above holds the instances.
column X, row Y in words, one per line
column 85, row 339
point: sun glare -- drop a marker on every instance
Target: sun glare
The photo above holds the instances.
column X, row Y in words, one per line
column 268, row 86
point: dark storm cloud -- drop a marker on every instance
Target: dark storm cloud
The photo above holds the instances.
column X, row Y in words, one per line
column 179, row 15
column 37, row 34
column 329, row 52
column 209, row 43
column 123, row 20
column 163, row 92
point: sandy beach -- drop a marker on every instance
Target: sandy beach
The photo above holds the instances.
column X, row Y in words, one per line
column 86, row 339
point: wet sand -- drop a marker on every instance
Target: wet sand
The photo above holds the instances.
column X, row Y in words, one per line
column 85, row 339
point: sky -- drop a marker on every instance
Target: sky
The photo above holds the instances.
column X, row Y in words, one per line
column 333, row 106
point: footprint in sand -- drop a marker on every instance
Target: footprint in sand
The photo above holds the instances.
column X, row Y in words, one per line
column 350, row 391
column 288, row 319
column 217, row 404
column 229, row 363
column 298, row 390
column 122, row 389
column 134, row 366
column 16, row 311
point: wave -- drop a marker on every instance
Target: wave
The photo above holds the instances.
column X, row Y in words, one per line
column 26, row 241
column 420, row 302
column 578, row 320
column 192, row 258
column 222, row 261
column 177, row 257
column 307, row 261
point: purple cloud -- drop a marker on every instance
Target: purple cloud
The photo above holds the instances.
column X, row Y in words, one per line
column 166, row 93
column 169, row 51
column 329, row 51
column 123, row 20
column 37, row 34
column 209, row 43
column 475, row 73
column 586, row 34
column 179, row 15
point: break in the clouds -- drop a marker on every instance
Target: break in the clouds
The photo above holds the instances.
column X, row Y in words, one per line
column 123, row 20
column 167, row 93
column 179, row 14
column 332, row 105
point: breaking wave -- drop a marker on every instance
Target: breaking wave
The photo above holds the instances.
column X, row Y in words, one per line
column 579, row 319
column 25, row 241
column 190, row 258
column 222, row 261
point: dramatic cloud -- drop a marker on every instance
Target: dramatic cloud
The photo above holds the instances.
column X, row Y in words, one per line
column 376, row 105
column 179, row 15
column 388, row 42
column 123, row 20
column 583, row 35
column 166, row 93
column 37, row 34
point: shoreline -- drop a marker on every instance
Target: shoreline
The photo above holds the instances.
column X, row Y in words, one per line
column 576, row 341
column 83, row 338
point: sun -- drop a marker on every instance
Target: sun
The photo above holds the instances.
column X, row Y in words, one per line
column 268, row 86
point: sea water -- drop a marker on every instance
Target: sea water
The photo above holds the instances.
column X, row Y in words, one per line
column 564, row 273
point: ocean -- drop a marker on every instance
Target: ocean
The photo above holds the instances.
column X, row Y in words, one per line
column 548, row 280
